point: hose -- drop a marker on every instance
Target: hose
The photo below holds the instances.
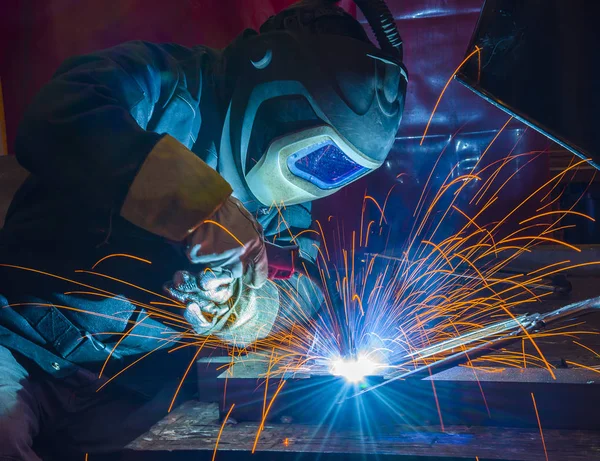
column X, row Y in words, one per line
column 383, row 25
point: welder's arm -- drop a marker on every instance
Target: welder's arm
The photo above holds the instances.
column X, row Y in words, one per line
column 239, row 313
column 85, row 133
column 301, row 297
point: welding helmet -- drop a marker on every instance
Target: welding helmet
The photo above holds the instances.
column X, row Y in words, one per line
column 316, row 104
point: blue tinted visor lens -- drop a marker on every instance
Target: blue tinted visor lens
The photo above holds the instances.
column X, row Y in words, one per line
column 325, row 165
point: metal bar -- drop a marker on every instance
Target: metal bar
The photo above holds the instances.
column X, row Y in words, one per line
column 531, row 323
column 467, row 338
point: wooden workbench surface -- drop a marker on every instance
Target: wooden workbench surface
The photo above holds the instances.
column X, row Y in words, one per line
column 194, row 427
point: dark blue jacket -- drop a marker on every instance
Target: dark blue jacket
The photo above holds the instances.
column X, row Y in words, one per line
column 83, row 139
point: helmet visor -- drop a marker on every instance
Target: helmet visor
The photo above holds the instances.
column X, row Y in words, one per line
column 325, row 165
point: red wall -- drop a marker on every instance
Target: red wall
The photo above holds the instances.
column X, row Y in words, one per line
column 37, row 35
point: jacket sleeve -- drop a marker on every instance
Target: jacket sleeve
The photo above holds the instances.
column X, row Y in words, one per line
column 85, row 133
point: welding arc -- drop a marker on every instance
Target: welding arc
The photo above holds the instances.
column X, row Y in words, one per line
column 530, row 323
column 445, row 363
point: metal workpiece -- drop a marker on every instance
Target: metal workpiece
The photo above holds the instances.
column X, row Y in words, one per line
column 456, row 350
column 513, row 330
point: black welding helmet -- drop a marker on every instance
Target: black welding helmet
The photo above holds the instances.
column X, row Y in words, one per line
column 316, row 105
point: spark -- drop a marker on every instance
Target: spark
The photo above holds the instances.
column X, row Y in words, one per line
column 221, row 226
column 562, row 213
column 120, row 255
column 579, row 365
column 537, row 415
column 404, row 308
column 221, row 431
column 162, row 344
column 437, row 403
column 588, row 348
column 127, row 333
column 264, row 418
column 125, row 282
column 192, row 362
column 474, row 52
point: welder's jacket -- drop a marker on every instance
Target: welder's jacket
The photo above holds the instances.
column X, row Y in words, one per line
column 120, row 146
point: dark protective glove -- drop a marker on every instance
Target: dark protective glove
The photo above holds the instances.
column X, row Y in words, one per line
column 230, row 240
column 231, row 253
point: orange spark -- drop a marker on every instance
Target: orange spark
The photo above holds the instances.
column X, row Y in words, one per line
column 210, row 221
column 185, row 376
column 264, row 418
column 122, row 255
column 537, row 415
column 476, row 51
column 221, row 431
column 117, row 345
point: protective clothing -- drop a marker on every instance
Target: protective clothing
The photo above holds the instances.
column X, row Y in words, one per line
column 69, row 415
column 220, row 304
column 169, row 195
column 305, row 165
column 106, row 142
column 121, row 146
column 231, row 240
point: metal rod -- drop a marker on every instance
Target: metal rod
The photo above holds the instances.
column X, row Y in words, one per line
column 530, row 323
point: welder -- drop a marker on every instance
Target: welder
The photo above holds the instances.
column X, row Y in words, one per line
column 187, row 159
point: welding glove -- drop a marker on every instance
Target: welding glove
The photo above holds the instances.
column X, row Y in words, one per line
column 220, row 304
column 230, row 240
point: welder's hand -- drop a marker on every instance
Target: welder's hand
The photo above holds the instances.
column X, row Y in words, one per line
column 231, row 239
column 217, row 303
column 205, row 295
column 253, row 315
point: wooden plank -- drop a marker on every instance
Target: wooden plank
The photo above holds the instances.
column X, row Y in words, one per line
column 194, row 427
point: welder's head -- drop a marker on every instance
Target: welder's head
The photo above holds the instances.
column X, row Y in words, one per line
column 316, row 105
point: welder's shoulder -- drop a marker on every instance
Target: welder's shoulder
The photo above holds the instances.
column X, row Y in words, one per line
column 140, row 70
column 134, row 56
